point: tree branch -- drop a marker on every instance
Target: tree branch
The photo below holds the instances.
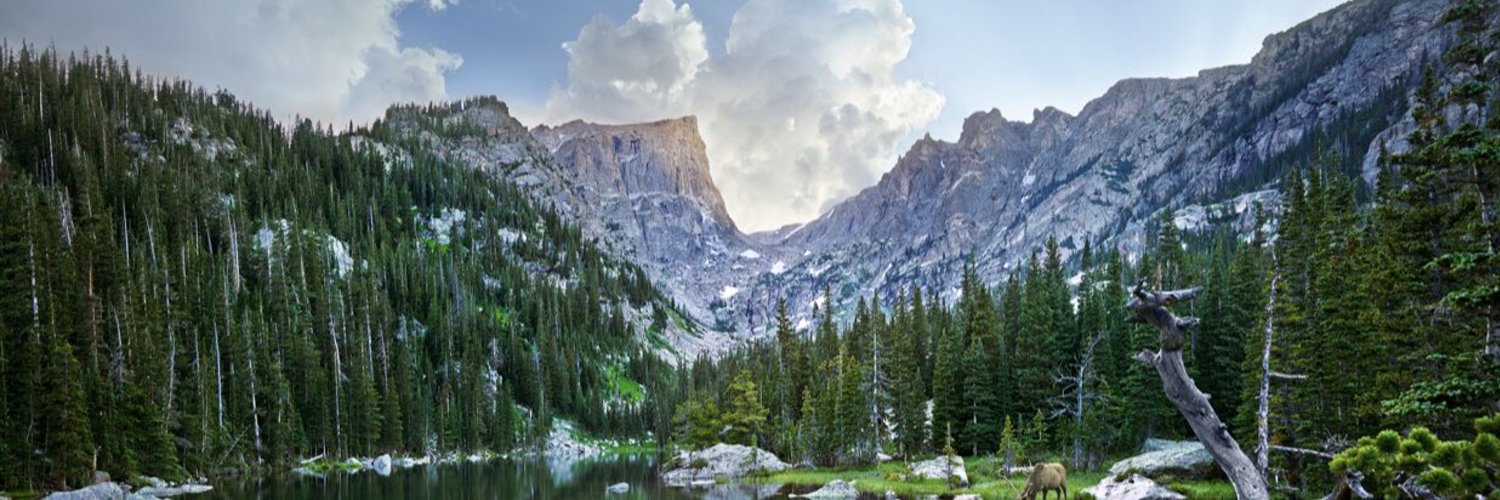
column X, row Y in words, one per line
column 1302, row 451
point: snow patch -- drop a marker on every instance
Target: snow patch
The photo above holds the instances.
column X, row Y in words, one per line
column 728, row 292
column 343, row 262
column 1029, row 179
column 779, row 267
column 750, row 254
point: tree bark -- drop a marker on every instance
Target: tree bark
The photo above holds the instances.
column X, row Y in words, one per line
column 1151, row 307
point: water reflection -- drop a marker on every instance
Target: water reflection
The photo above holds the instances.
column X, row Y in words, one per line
column 505, row 479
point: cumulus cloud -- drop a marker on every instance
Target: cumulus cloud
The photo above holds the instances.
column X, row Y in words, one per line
column 330, row 60
column 640, row 68
column 802, row 109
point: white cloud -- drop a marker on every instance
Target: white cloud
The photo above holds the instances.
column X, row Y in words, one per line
column 640, row 68
column 801, row 110
column 330, row 60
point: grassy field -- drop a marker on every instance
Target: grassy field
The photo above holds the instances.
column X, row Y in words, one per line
column 983, row 481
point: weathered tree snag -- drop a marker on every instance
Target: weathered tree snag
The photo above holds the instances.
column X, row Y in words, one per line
column 1151, row 307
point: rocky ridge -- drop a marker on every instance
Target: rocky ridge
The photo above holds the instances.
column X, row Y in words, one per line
column 1208, row 146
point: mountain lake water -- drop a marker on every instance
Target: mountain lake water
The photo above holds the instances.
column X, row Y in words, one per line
column 496, row 479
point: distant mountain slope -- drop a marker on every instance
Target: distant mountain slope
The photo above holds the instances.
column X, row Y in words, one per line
column 1212, row 146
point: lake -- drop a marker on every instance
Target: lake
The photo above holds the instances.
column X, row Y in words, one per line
column 518, row 479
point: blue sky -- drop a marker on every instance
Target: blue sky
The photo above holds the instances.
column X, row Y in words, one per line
column 801, row 103
column 1016, row 56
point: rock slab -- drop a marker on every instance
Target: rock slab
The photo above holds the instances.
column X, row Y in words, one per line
column 836, row 488
column 942, row 468
column 1182, row 459
column 618, row 489
column 1135, row 487
column 721, row 461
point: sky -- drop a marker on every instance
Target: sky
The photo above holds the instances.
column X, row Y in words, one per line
column 801, row 103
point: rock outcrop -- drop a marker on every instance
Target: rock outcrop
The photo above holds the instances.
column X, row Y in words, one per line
column 101, row 491
column 155, row 489
column 1181, row 459
column 174, row 491
column 1135, row 487
column 836, row 488
column 721, row 461
column 942, row 468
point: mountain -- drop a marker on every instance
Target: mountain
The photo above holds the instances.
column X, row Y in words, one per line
column 1212, row 144
column 1210, row 147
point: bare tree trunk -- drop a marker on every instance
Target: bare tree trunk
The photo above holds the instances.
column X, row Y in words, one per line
column 1151, row 307
column 1263, row 413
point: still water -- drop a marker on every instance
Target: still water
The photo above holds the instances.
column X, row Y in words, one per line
column 505, row 479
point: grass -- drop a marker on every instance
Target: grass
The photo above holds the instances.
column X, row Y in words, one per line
column 629, row 390
column 983, row 481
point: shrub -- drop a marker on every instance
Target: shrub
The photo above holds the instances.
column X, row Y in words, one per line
column 1394, row 466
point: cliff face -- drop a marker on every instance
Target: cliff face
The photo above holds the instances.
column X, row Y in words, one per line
column 1198, row 144
column 1207, row 146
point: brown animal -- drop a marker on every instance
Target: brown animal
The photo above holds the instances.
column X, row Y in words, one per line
column 1044, row 478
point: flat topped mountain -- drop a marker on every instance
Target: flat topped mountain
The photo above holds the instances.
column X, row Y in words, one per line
column 665, row 158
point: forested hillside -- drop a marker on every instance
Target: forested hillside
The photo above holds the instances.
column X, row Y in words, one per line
column 1383, row 315
column 188, row 286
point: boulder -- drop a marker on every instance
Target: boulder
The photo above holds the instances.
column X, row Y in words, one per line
column 836, row 488
column 618, row 489
column 968, row 496
column 940, row 468
column 173, row 491
column 721, row 461
column 100, row 477
column 381, row 465
column 101, row 491
column 1182, row 459
column 1135, row 487
column 354, row 464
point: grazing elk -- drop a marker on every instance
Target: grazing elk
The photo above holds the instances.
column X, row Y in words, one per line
column 1044, row 478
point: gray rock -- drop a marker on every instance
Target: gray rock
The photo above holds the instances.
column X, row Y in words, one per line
column 100, row 477
column 1135, row 487
column 562, row 448
column 381, row 465
column 721, row 461
column 174, row 491
column 836, row 488
column 941, row 468
column 101, row 491
column 618, row 489
column 1183, row 459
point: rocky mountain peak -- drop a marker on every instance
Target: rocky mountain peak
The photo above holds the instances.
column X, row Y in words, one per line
column 661, row 158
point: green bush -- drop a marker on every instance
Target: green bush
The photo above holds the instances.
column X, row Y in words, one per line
column 1450, row 469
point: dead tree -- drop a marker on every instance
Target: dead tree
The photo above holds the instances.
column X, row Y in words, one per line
column 1151, row 307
